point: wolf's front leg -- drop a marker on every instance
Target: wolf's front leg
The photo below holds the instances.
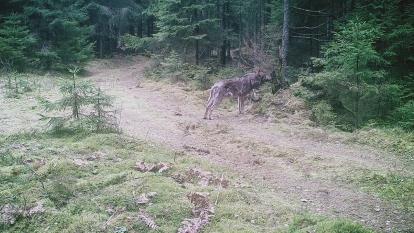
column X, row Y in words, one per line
column 240, row 101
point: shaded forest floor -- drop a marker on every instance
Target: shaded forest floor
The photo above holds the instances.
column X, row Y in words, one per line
column 287, row 168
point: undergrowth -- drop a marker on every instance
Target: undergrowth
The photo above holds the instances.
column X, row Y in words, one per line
column 88, row 183
column 391, row 139
column 396, row 188
column 198, row 77
column 307, row 223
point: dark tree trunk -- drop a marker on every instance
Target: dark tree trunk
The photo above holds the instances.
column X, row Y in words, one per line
column 100, row 46
column 224, row 27
column 197, row 52
column 150, row 26
column 140, row 27
column 223, row 53
column 197, row 41
column 285, row 40
column 358, row 96
column 240, row 26
column 228, row 54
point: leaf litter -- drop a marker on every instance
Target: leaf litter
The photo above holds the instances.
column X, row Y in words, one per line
column 201, row 177
column 149, row 167
column 202, row 213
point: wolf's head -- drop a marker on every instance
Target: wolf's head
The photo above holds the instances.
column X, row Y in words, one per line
column 263, row 76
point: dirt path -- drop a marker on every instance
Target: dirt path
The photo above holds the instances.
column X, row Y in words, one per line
column 303, row 170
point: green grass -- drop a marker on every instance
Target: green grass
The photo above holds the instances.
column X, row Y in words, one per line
column 307, row 223
column 392, row 139
column 393, row 187
column 41, row 167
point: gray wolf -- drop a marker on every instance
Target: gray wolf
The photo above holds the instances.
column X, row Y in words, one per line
column 239, row 87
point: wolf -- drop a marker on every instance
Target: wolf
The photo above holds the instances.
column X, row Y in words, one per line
column 239, row 87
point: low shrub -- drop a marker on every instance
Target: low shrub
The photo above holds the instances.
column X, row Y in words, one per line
column 322, row 113
column 404, row 116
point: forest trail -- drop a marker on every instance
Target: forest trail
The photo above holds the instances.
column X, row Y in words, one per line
column 306, row 169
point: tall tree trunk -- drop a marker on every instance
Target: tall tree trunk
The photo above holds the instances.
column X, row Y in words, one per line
column 197, row 41
column 140, row 26
column 223, row 53
column 224, row 27
column 149, row 26
column 197, row 52
column 285, row 40
column 240, row 25
column 100, row 46
column 358, row 96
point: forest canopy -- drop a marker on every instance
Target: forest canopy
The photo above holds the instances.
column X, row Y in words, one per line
column 353, row 58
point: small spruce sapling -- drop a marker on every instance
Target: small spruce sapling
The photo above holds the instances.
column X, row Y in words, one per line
column 87, row 106
column 102, row 117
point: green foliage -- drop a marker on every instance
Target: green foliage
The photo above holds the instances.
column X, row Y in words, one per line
column 170, row 66
column 323, row 114
column 393, row 187
column 392, row 139
column 353, row 81
column 81, row 198
column 138, row 44
column 16, row 84
column 16, row 43
column 184, row 22
column 78, row 97
column 404, row 115
column 306, row 223
column 101, row 118
column 397, row 25
column 61, row 30
column 112, row 20
column 199, row 76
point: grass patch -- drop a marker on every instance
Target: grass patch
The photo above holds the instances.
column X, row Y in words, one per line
column 87, row 183
column 390, row 186
column 391, row 139
column 307, row 223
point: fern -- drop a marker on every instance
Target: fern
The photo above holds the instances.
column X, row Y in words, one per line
column 147, row 219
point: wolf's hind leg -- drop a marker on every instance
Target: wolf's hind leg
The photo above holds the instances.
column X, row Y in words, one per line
column 210, row 103
column 216, row 100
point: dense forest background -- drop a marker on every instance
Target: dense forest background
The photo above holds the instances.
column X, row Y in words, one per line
column 353, row 59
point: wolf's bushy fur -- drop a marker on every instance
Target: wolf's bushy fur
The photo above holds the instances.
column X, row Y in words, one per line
column 239, row 87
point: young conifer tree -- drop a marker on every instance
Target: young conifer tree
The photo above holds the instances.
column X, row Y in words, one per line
column 352, row 70
column 15, row 44
column 81, row 106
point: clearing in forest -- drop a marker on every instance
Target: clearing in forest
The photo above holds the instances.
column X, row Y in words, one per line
column 308, row 167
column 260, row 172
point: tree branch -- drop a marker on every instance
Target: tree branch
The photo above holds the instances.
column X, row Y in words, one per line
column 312, row 38
column 310, row 11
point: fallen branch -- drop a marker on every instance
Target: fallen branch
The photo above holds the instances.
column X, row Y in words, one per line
column 146, row 167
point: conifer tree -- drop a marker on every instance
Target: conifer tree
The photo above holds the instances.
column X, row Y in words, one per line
column 184, row 23
column 352, row 70
column 15, row 43
column 82, row 106
column 61, row 30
